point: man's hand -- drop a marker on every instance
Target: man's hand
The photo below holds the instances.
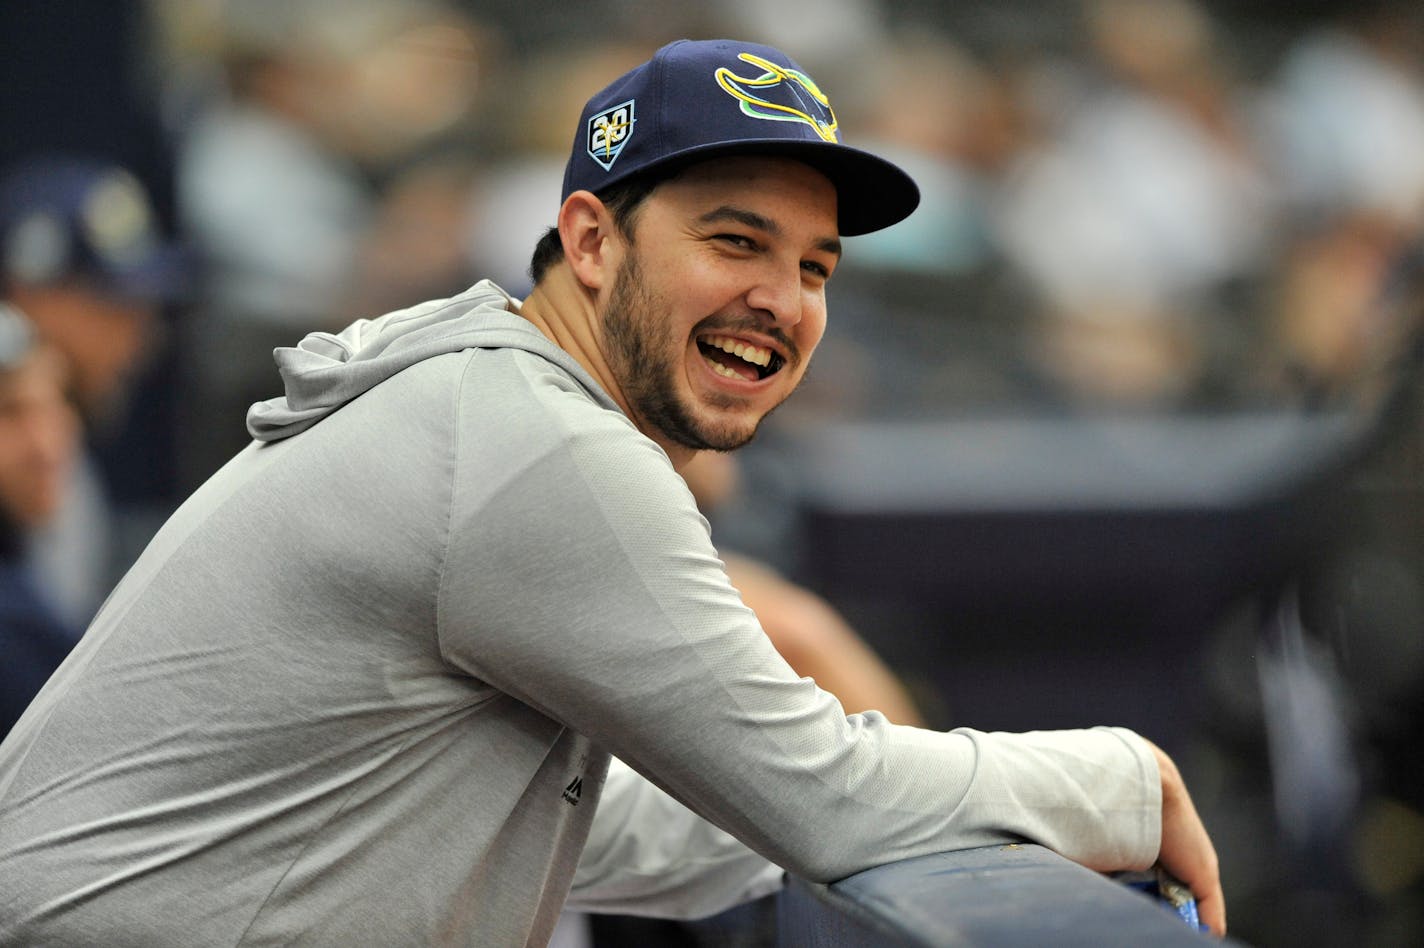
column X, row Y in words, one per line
column 1187, row 852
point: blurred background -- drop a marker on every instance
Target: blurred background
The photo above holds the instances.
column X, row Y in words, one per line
column 1121, row 426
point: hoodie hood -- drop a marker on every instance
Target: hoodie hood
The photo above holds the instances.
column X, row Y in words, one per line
column 325, row 371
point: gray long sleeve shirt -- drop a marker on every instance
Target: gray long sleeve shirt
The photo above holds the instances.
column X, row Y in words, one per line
column 363, row 687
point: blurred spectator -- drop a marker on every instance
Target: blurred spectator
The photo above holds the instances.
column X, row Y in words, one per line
column 415, row 247
column 924, row 102
column 38, row 446
column 318, row 96
column 1345, row 119
column 1331, row 327
column 81, row 256
column 278, row 176
column 1346, row 115
column 84, row 261
column 1146, row 204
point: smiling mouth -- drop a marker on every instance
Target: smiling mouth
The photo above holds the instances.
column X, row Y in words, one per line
column 735, row 359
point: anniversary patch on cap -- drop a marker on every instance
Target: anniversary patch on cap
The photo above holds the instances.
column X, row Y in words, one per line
column 608, row 132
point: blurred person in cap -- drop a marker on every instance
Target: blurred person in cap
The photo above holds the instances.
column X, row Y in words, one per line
column 84, row 260
column 448, row 645
column 39, row 441
column 81, row 256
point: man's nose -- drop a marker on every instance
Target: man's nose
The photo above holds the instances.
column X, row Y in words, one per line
column 779, row 294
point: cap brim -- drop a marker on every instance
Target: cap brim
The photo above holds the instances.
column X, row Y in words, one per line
column 871, row 193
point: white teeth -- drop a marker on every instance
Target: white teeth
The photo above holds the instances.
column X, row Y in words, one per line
column 753, row 354
column 721, row 369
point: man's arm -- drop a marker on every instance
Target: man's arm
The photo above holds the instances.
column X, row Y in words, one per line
column 581, row 581
column 649, row 855
column 818, row 643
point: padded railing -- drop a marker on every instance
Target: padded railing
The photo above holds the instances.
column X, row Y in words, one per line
column 995, row 897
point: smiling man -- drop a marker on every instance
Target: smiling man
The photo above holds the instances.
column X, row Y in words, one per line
column 707, row 320
column 366, row 685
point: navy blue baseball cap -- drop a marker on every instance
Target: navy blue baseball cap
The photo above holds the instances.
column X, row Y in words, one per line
column 67, row 218
column 696, row 100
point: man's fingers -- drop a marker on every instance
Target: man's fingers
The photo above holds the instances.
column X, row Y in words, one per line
column 1187, row 852
column 1211, row 909
column 1202, row 878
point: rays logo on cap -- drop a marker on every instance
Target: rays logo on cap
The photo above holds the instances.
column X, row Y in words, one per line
column 780, row 95
column 608, row 132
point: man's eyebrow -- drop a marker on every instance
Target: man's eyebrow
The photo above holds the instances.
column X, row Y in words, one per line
column 728, row 212
column 740, row 215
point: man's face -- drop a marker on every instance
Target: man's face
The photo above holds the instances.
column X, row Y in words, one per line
column 101, row 337
column 39, row 438
column 719, row 300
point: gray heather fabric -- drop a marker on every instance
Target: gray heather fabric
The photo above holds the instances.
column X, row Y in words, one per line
column 363, row 687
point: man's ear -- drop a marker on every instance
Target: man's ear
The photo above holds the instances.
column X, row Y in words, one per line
column 589, row 237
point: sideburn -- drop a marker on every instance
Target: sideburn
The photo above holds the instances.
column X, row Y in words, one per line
column 646, row 374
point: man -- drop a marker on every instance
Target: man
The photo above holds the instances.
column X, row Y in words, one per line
column 363, row 688
column 39, row 441
column 82, row 257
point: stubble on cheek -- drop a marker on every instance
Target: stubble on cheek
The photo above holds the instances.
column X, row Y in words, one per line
column 646, row 364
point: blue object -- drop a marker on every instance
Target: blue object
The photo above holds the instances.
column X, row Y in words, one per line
column 704, row 99
column 1160, row 885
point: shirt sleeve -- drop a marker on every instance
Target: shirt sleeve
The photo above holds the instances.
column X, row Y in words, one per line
column 580, row 579
column 649, row 855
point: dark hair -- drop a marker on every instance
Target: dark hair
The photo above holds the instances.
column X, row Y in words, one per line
column 622, row 200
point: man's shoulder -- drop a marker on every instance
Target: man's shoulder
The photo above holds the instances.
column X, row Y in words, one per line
column 540, row 398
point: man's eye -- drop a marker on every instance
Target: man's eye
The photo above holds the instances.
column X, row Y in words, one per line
column 819, row 270
column 738, row 240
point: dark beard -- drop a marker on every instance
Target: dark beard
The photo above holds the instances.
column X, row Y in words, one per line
column 631, row 328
